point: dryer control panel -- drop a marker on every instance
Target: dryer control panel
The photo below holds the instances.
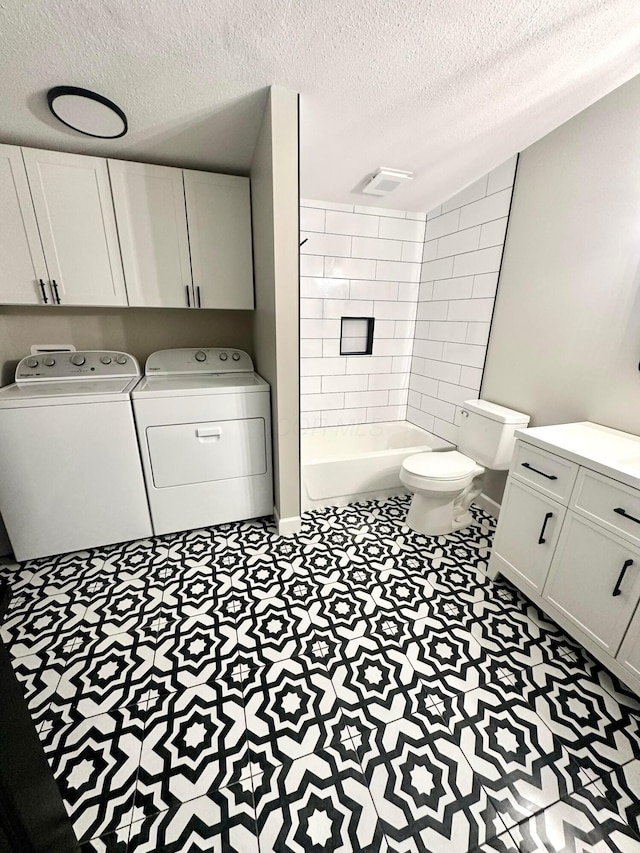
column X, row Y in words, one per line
column 205, row 360
column 86, row 364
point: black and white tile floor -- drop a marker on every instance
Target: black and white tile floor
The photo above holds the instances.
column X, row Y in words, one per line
column 358, row 687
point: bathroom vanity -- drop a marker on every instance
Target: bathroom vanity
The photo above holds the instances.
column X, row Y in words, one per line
column 569, row 536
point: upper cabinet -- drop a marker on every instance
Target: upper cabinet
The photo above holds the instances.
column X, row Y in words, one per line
column 74, row 210
column 23, row 268
column 78, row 230
column 152, row 226
column 219, row 220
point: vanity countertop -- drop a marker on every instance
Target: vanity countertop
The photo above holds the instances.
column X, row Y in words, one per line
column 610, row 452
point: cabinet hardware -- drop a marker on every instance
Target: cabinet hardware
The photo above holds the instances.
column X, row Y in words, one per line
column 198, row 292
column 623, row 571
column 624, row 514
column 186, row 287
column 44, row 293
column 55, row 291
column 542, row 474
column 541, row 539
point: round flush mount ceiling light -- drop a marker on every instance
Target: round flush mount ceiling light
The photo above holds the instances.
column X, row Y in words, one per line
column 87, row 112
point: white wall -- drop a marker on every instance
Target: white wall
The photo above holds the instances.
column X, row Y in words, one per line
column 275, row 216
column 462, row 252
column 357, row 262
column 565, row 342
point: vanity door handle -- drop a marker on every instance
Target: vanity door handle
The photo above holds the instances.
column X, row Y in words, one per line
column 541, row 539
column 542, row 474
column 44, row 293
column 198, row 292
column 624, row 514
column 55, row 291
column 186, row 287
column 623, row 571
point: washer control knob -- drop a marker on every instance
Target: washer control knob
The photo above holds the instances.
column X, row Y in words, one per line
column 236, row 356
column 223, row 356
column 105, row 359
column 201, row 356
column 31, row 362
column 121, row 359
column 78, row 360
column 49, row 361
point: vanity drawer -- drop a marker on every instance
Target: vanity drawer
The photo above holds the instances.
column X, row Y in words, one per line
column 609, row 503
column 548, row 473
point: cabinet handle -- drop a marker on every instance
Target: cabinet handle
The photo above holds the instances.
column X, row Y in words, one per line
column 44, row 293
column 623, row 571
column 55, row 291
column 186, row 287
column 541, row 539
column 542, row 474
column 624, row 514
column 198, row 292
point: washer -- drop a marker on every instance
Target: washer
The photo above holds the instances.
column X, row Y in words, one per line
column 204, row 429
column 70, row 471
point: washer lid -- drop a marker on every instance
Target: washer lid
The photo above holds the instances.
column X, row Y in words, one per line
column 450, row 465
column 65, row 393
column 185, row 385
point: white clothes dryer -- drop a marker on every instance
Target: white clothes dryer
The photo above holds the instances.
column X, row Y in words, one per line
column 204, row 428
column 70, row 470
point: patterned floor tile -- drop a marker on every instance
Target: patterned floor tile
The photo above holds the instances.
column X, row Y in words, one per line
column 290, row 710
column 314, row 805
column 622, row 789
column 425, row 792
column 125, row 609
column 271, row 628
column 598, row 731
column 223, row 821
column 29, row 631
column 580, row 822
column 520, row 763
column 194, row 743
column 95, row 763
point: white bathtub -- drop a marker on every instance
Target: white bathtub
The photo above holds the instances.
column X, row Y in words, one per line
column 360, row 462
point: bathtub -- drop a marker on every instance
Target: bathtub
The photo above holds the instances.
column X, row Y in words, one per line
column 344, row 464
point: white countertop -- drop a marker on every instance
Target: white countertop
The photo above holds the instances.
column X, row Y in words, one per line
column 610, row 452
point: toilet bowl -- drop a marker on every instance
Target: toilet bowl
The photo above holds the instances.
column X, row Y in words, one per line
column 444, row 485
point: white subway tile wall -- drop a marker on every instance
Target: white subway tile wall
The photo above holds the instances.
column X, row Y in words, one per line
column 358, row 262
column 463, row 245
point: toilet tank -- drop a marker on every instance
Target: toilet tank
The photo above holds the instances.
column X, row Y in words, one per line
column 487, row 433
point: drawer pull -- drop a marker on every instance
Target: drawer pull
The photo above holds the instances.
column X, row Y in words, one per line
column 624, row 514
column 208, row 432
column 623, row 571
column 547, row 517
column 542, row 474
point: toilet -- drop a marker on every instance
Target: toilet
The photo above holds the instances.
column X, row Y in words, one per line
column 444, row 485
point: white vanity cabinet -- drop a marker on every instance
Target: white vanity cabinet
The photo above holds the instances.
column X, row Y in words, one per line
column 23, row 272
column 577, row 489
column 74, row 211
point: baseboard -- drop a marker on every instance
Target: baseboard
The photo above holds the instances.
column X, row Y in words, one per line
column 287, row 526
column 488, row 505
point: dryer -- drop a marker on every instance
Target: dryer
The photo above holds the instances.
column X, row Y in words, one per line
column 70, row 470
column 204, row 428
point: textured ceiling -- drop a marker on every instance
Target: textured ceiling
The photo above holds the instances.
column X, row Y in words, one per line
column 445, row 88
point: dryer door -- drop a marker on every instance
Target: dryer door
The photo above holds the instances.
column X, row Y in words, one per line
column 182, row 454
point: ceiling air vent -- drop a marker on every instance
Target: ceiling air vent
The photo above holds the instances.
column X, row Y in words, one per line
column 385, row 181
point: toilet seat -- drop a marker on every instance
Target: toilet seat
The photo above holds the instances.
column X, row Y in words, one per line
column 448, row 471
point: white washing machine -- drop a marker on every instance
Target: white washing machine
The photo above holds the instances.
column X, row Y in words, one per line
column 204, row 429
column 70, row 471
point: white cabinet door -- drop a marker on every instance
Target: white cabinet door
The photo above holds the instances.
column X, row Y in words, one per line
column 74, row 209
column 595, row 581
column 629, row 654
column 219, row 217
column 152, row 227
column 527, row 533
column 22, row 265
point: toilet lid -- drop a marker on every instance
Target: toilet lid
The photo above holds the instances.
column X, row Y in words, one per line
column 449, row 465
